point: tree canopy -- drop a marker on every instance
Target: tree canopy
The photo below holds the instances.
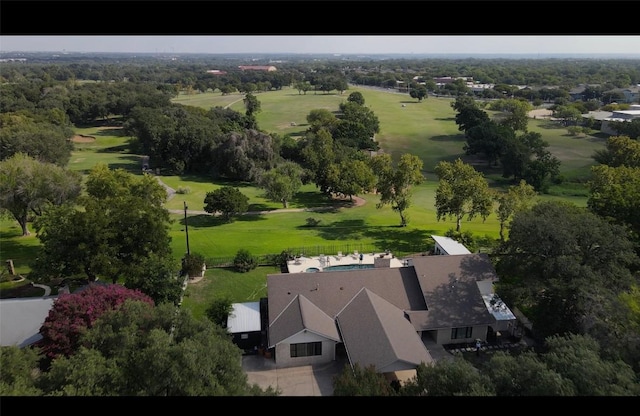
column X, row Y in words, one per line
column 395, row 184
column 461, row 191
column 228, row 201
column 29, row 187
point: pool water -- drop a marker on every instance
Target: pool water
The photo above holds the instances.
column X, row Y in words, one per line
column 341, row 267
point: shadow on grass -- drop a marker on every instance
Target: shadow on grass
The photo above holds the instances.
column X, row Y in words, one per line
column 339, row 230
column 260, row 207
column 400, row 240
column 448, row 138
column 115, row 132
column 123, row 148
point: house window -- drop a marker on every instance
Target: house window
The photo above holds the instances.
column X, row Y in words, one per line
column 460, row 333
column 306, row 349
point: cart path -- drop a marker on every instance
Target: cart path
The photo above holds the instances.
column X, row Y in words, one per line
column 357, row 202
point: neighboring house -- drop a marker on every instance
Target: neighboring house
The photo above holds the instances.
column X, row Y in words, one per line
column 384, row 316
column 21, row 319
column 245, row 324
column 618, row 116
column 448, row 246
column 631, row 94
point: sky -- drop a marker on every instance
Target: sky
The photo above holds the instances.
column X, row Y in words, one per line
column 321, row 44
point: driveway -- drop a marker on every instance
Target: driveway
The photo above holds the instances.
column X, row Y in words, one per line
column 308, row 380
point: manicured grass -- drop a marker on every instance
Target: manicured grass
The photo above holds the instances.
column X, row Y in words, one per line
column 426, row 129
column 222, row 283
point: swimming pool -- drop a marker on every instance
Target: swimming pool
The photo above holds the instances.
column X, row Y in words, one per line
column 341, row 267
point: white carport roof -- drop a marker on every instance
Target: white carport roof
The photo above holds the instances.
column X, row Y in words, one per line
column 244, row 317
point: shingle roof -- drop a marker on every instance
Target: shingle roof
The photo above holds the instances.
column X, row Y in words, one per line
column 302, row 315
column 385, row 339
column 372, row 305
column 450, row 290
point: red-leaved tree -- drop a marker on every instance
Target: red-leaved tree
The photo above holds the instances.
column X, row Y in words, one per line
column 71, row 314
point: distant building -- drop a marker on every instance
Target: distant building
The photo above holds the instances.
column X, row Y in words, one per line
column 268, row 68
column 216, row 72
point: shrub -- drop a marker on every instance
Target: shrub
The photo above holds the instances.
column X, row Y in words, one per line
column 244, row 261
column 183, row 190
column 219, row 311
column 192, row 264
column 312, row 222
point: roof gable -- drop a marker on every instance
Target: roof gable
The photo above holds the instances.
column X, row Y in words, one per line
column 386, row 340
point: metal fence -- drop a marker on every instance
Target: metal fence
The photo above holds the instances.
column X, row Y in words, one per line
column 314, row 251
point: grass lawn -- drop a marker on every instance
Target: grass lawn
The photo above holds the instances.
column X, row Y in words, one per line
column 223, row 283
column 426, row 129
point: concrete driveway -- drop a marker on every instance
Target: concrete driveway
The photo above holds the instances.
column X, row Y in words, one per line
column 309, row 380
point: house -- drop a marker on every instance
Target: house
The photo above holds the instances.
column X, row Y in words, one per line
column 21, row 319
column 618, row 116
column 244, row 324
column 384, row 316
column 448, row 246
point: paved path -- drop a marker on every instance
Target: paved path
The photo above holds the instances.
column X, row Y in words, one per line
column 357, row 201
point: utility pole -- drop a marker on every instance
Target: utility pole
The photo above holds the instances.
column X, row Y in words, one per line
column 186, row 227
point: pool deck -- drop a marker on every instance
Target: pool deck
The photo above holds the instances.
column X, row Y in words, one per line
column 301, row 264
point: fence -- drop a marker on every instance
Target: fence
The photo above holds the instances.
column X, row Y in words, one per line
column 314, row 251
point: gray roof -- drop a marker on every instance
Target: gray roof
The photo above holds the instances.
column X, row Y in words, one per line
column 450, row 291
column 385, row 306
column 386, row 339
column 21, row 319
column 301, row 315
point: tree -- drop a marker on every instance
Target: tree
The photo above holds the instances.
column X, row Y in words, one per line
column 352, row 177
column 577, row 358
column 516, row 113
column 620, row 150
column 282, row 182
column 228, row 201
column 29, row 187
column 471, row 116
column 20, row 371
column 71, row 314
column 566, row 266
column 356, row 97
column 321, row 118
column 568, row 114
column 419, row 92
column 141, row 350
column 455, row 377
column 361, row 381
column 119, row 222
column 517, row 198
column 219, row 311
column 488, row 139
column 628, row 128
column 42, row 140
column 461, row 191
column 525, row 375
column 395, row 184
column 251, row 104
column 614, row 194
column 156, row 277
